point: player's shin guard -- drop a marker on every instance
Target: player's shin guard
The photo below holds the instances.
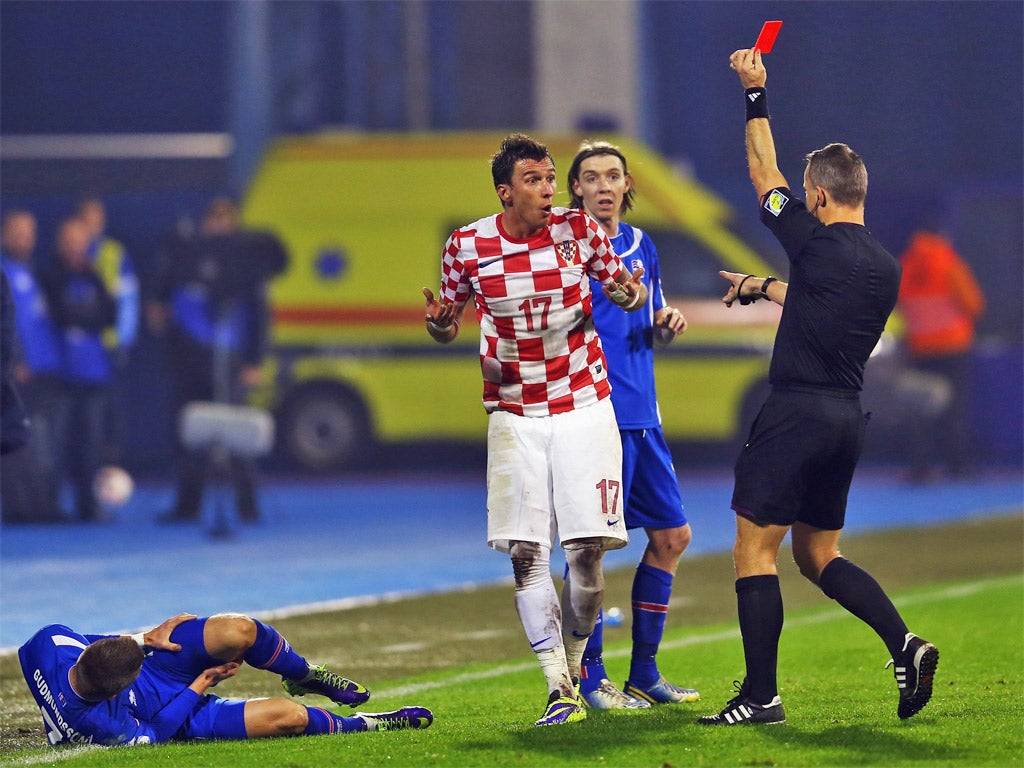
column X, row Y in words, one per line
column 321, row 721
column 535, row 596
column 539, row 612
column 592, row 670
column 581, row 599
column 652, row 588
column 273, row 653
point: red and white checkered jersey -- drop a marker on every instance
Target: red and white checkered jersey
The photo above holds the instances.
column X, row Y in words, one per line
column 539, row 352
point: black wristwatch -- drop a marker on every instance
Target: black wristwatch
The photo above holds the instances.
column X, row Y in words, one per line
column 764, row 286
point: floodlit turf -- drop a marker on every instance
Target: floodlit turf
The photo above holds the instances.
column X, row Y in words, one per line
column 839, row 700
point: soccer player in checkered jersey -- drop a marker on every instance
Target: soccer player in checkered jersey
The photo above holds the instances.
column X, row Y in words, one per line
column 600, row 183
column 554, row 462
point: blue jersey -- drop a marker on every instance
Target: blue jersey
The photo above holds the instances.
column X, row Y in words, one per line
column 146, row 712
column 36, row 332
column 628, row 337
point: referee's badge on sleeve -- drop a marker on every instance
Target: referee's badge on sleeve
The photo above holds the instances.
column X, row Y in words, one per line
column 775, row 202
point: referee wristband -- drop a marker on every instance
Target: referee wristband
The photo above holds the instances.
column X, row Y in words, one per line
column 750, row 298
column 757, row 103
column 764, row 286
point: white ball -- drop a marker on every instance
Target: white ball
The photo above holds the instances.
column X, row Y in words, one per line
column 613, row 617
column 113, row 486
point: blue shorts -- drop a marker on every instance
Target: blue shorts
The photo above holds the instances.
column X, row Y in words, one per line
column 164, row 675
column 649, row 481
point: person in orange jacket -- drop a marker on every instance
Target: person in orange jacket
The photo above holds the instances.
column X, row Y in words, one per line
column 940, row 301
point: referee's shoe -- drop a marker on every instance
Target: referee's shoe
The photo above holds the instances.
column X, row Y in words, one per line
column 914, row 670
column 741, row 710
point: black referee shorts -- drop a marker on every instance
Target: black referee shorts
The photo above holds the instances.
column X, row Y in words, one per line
column 799, row 458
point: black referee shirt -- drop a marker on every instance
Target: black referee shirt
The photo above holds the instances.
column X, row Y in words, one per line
column 842, row 286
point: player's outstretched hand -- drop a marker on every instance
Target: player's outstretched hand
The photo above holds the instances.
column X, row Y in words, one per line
column 440, row 313
column 159, row 638
column 735, row 279
column 748, row 65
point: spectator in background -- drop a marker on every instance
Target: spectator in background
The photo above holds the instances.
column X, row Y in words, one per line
column 82, row 310
column 211, row 302
column 28, row 487
column 940, row 300
column 15, row 428
column 112, row 263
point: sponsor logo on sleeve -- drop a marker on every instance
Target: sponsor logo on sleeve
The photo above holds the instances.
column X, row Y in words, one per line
column 775, row 202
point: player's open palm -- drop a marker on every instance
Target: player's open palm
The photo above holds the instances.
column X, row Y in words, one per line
column 439, row 312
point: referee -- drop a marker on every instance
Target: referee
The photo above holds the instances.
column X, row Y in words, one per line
column 795, row 470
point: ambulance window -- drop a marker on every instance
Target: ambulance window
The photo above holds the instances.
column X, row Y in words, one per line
column 687, row 267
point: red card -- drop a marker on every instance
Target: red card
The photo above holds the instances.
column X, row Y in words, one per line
column 766, row 39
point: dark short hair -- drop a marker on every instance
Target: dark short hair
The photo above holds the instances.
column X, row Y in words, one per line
column 515, row 147
column 840, row 172
column 593, row 149
column 110, row 665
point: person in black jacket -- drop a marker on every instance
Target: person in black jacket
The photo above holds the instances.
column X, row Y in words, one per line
column 212, row 305
column 82, row 310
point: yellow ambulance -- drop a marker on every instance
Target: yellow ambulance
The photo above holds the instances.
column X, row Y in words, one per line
column 364, row 218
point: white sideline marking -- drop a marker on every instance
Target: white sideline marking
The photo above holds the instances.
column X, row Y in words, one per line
column 959, row 590
column 55, row 755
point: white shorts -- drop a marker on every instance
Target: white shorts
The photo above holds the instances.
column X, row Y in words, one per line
column 555, row 476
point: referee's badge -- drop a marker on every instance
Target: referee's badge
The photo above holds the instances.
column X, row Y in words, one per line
column 569, row 252
column 775, row 202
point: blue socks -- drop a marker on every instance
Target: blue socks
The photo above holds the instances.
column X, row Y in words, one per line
column 652, row 588
column 274, row 654
column 321, row 721
column 592, row 669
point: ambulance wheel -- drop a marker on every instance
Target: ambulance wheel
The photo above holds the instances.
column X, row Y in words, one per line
column 325, row 427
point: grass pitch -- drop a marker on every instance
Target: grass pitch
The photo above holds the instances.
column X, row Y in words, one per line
column 464, row 656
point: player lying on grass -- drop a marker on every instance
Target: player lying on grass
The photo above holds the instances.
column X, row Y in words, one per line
column 152, row 687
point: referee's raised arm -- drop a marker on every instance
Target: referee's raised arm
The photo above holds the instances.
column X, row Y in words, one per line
column 764, row 168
